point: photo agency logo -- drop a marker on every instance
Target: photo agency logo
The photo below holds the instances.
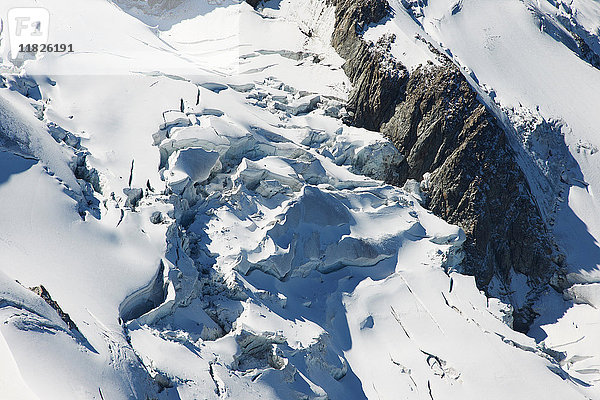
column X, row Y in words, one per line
column 28, row 28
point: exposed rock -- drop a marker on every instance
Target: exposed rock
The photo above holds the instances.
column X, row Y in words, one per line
column 586, row 53
column 475, row 181
column 586, row 44
column 377, row 80
column 44, row 294
column 253, row 3
column 436, row 121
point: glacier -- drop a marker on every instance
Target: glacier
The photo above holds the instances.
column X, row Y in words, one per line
column 186, row 188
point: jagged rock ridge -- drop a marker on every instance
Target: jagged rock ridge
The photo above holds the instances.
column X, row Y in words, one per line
column 434, row 118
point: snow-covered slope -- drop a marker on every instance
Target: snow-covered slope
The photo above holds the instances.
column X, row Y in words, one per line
column 185, row 189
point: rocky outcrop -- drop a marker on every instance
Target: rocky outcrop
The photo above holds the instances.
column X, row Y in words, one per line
column 44, row 294
column 585, row 52
column 253, row 3
column 434, row 118
column 378, row 80
column 475, row 181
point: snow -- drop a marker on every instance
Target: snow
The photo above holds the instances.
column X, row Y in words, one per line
column 407, row 48
column 190, row 166
column 412, row 328
column 281, row 267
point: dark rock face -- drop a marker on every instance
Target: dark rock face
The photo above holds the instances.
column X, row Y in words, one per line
column 377, row 80
column 43, row 293
column 436, row 121
column 586, row 53
column 253, row 3
column 475, row 181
